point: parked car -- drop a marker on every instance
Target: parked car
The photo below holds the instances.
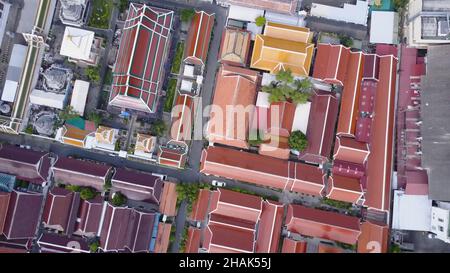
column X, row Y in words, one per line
column 218, row 183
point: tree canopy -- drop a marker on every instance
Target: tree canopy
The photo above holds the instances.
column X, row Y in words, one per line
column 96, row 118
column 119, row 199
column 260, row 21
column 159, row 127
column 68, row 113
column 285, row 76
column 346, row 41
column 87, row 193
column 298, row 141
column 187, row 14
column 93, row 73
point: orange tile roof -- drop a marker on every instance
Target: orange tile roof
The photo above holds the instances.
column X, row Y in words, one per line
column 374, row 238
column 193, row 240
column 262, row 170
column 350, row 150
column 162, row 237
column 283, row 47
column 346, row 189
column 182, row 118
column 235, row 87
column 291, row 246
column 168, row 202
column 323, row 224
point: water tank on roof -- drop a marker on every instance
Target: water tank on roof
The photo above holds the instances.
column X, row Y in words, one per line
column 5, row 108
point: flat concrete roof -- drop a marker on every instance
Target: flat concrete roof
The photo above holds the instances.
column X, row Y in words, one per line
column 435, row 127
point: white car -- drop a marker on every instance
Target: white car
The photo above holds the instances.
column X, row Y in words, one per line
column 218, row 183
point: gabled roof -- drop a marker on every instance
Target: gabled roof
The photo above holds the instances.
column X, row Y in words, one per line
column 182, row 117
column 235, row 46
column 379, row 173
column 168, row 202
column 4, row 202
column 60, row 210
column 105, row 135
column 53, row 243
column 322, row 121
column 262, row 170
column 238, row 223
column 283, row 47
column 323, row 224
column 291, row 246
column 90, row 212
column 198, row 38
column 81, row 167
column 235, row 87
column 145, row 143
column 23, row 215
column 140, row 61
column 25, row 164
column 350, row 150
column 126, row 228
column 171, row 157
column 137, row 185
column 344, row 188
column 374, row 238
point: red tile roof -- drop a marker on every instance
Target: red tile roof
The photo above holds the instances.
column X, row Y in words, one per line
column 350, row 150
column 4, row 202
column 235, row 87
column 380, row 159
column 374, row 238
column 337, row 64
column 323, row 248
column 90, row 212
column 193, row 240
column 199, row 35
column 322, row 121
column 348, row 169
column 200, row 207
column 23, row 215
column 60, row 209
column 237, row 222
column 54, row 243
column 322, row 224
column 342, row 188
column 291, row 246
column 81, row 173
column 136, row 185
column 126, row 228
column 262, row 170
column 138, row 71
column 182, row 118
column 172, row 158
column 25, row 164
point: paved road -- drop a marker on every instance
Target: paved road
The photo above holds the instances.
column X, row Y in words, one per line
column 180, row 225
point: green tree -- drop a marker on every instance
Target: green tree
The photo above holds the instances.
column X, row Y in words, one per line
column 93, row 247
column 187, row 14
column 304, row 85
column 260, row 21
column 93, row 73
column 400, row 4
column 107, row 186
column 87, row 193
column 68, row 113
column 74, row 188
column 346, row 41
column 159, row 127
column 285, row 76
column 297, row 141
column 95, row 117
column 299, row 97
column 119, row 199
column 29, row 129
column 123, row 5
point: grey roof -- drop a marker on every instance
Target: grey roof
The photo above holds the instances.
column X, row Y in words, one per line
column 435, row 122
column 435, row 5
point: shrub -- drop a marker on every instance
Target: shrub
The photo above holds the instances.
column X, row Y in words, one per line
column 260, row 21
column 119, row 199
column 298, row 141
column 187, row 14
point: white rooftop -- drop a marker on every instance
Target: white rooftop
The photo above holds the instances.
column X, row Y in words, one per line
column 301, row 117
column 411, row 212
column 9, row 91
column 384, row 27
column 49, row 99
column 79, row 96
column 263, row 100
column 186, row 85
column 244, row 13
column 188, row 70
column 356, row 14
column 293, row 20
column 77, row 43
